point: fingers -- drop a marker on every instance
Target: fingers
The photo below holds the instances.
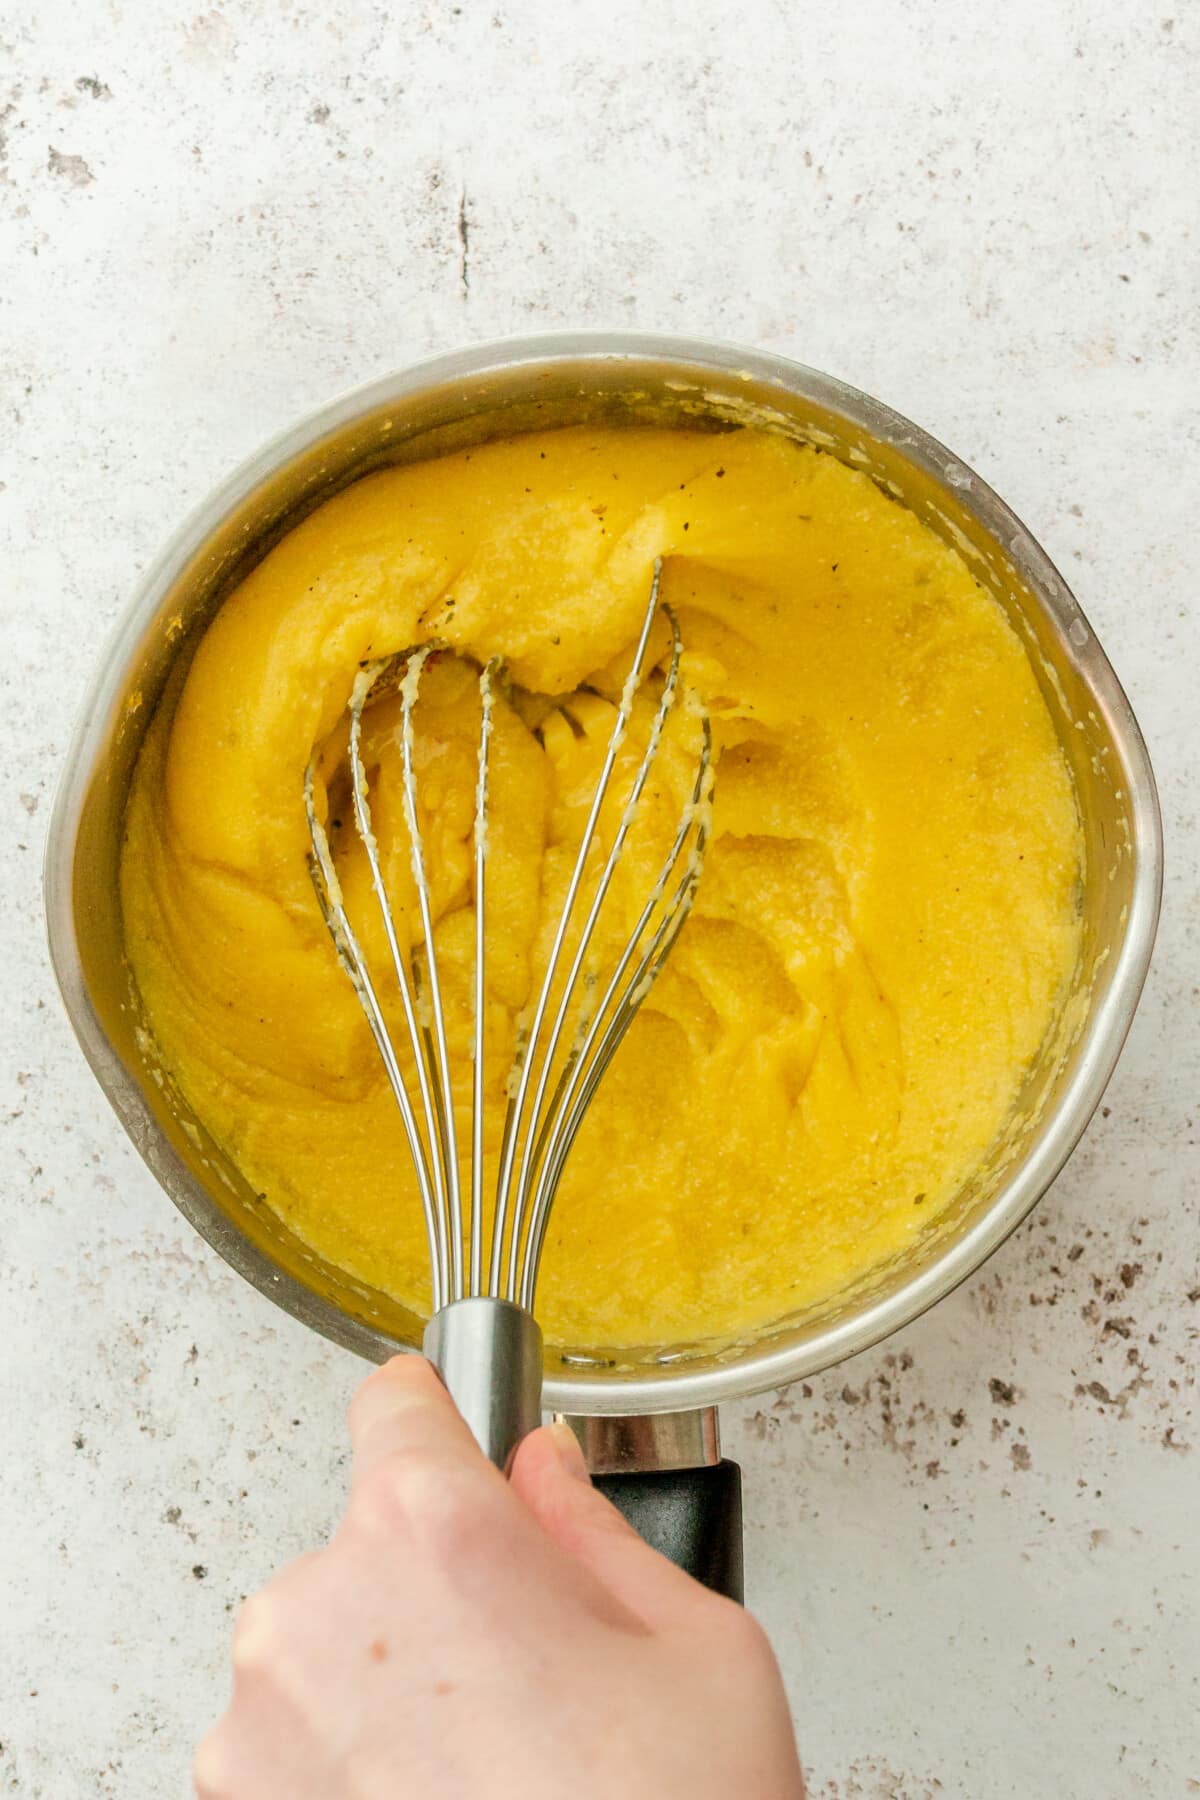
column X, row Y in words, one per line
column 415, row 1458
column 421, row 1483
column 403, row 1410
column 550, row 1476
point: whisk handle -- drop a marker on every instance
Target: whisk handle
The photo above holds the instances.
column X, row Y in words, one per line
column 489, row 1354
column 694, row 1516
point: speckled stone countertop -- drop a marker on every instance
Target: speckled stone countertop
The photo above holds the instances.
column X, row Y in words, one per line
column 976, row 1547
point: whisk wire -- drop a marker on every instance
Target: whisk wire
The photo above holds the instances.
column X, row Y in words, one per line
column 434, row 1038
column 620, row 724
column 477, row 1083
column 587, row 1024
column 583, row 1077
column 549, row 1086
column 410, row 999
column 337, row 920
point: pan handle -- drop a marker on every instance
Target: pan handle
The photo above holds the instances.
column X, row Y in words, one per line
column 694, row 1516
column 665, row 1474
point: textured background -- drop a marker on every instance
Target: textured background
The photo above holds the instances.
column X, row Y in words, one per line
column 976, row 1547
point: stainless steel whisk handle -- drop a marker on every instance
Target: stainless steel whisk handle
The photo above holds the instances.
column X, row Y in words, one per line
column 489, row 1354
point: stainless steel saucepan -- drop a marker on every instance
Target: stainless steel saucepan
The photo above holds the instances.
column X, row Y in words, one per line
column 648, row 1410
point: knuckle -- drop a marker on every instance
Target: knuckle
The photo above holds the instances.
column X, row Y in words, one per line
column 257, row 1633
column 397, row 1491
column 274, row 1663
column 461, row 1506
column 211, row 1767
column 416, row 1497
column 741, row 1633
column 265, row 1623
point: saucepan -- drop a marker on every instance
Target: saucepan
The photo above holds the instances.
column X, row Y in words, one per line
column 646, row 1415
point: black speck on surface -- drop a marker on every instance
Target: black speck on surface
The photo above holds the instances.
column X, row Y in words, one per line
column 199, row 1571
column 1002, row 1392
column 463, row 225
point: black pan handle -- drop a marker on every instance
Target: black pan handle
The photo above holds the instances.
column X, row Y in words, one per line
column 694, row 1516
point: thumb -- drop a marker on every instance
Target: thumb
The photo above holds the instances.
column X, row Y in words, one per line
column 550, row 1476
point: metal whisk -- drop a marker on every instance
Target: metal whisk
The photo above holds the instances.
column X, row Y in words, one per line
column 482, row 1335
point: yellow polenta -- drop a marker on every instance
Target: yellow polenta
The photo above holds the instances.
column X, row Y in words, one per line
column 885, row 927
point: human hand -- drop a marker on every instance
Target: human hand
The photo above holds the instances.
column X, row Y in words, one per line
column 464, row 1635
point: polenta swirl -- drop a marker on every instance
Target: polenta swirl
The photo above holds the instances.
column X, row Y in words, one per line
column 882, row 936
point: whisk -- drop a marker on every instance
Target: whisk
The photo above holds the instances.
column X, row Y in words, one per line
column 482, row 1336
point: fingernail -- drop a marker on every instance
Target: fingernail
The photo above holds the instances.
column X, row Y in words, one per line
column 566, row 1448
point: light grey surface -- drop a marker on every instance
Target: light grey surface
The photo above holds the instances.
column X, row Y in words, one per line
column 211, row 220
